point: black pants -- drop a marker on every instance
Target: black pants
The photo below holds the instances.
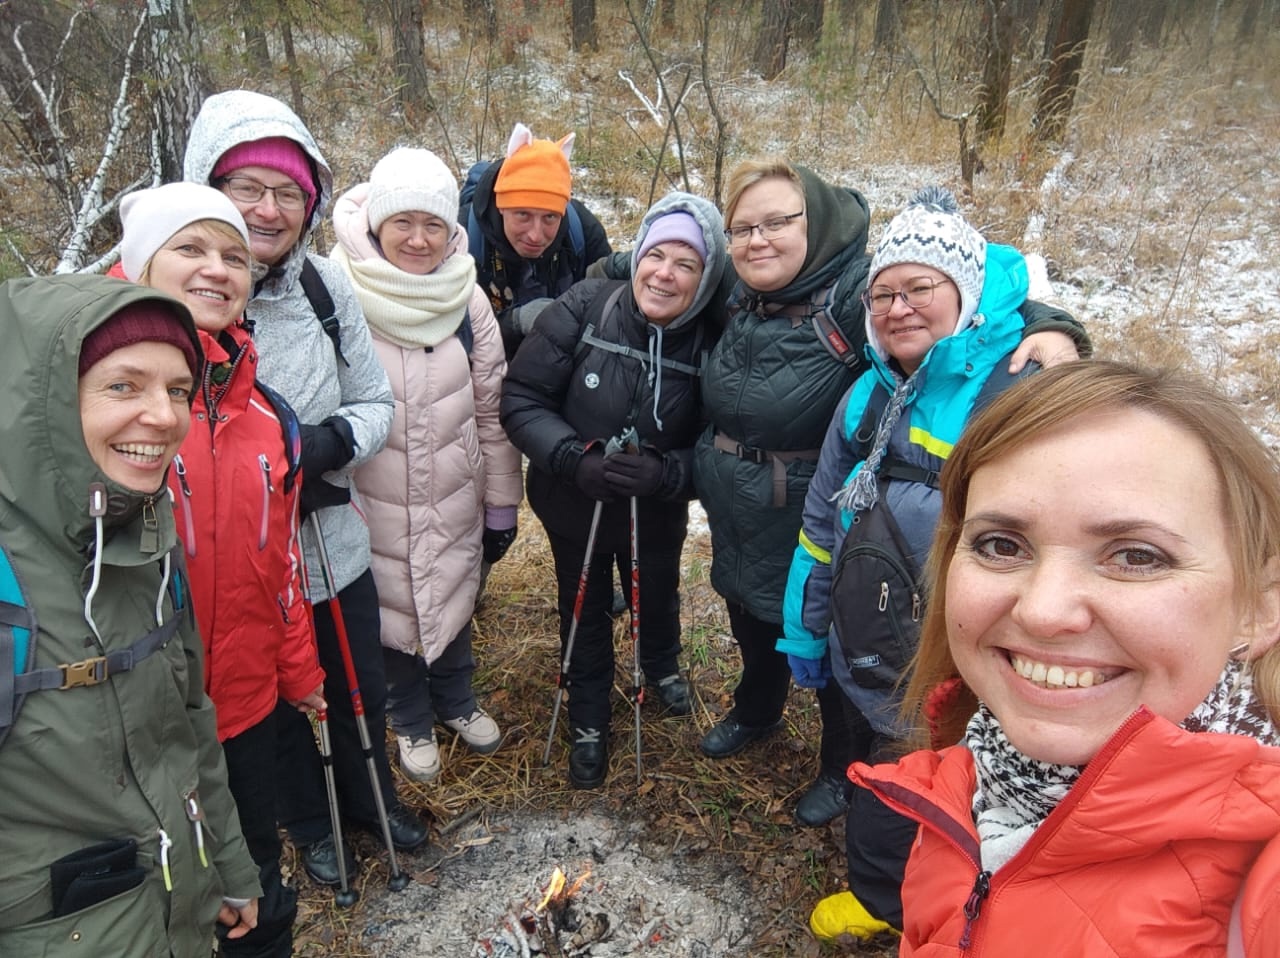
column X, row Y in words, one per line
column 878, row 841
column 303, row 803
column 847, row 736
column 251, row 775
column 591, row 666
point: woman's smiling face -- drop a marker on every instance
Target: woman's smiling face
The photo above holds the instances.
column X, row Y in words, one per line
column 1093, row 576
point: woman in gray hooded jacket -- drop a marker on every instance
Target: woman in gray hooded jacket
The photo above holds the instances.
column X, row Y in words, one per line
column 608, row 357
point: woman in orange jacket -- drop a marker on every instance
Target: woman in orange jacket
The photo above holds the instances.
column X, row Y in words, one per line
column 1104, row 650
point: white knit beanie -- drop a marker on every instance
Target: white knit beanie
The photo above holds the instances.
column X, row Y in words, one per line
column 931, row 231
column 150, row 217
column 410, row 179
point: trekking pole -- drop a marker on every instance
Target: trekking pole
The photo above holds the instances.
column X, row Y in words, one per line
column 398, row 880
column 563, row 679
column 345, row 896
column 637, row 687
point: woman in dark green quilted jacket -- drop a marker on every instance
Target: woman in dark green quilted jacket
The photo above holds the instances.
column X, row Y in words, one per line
column 770, row 388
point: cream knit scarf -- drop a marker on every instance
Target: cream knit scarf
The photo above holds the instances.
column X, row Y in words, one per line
column 407, row 310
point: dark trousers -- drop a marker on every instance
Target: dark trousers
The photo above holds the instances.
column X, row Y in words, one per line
column 418, row 694
column 847, row 736
column 878, row 841
column 591, row 666
column 303, row 803
column 762, row 691
column 251, row 775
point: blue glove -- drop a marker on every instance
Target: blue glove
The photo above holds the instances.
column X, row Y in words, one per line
column 809, row 673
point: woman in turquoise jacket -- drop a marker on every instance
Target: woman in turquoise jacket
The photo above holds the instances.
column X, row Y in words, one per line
column 942, row 321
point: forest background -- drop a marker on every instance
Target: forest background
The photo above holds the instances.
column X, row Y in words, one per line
column 1131, row 143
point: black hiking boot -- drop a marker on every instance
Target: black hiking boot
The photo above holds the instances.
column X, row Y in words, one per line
column 588, row 758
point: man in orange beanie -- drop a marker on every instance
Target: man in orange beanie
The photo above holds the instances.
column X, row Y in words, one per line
column 530, row 238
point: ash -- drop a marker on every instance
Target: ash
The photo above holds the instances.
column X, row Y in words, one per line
column 477, row 893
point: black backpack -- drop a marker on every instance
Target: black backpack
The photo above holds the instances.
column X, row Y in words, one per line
column 877, row 593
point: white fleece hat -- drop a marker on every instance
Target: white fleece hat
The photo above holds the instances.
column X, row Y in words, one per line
column 150, row 217
column 411, row 179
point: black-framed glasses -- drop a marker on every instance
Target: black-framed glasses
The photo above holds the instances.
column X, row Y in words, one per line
column 769, row 229
column 918, row 293
column 245, row 189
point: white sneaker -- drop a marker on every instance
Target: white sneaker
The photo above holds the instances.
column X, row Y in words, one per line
column 478, row 730
column 419, row 758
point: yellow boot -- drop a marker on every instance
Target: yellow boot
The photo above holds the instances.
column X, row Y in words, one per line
column 842, row 914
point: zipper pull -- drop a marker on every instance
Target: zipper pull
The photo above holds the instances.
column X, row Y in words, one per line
column 150, row 527
column 915, row 607
column 981, row 887
column 180, row 468
column 165, row 844
column 195, row 814
column 884, row 596
column 265, row 466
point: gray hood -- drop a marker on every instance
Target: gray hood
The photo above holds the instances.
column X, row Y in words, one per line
column 709, row 218
column 242, row 116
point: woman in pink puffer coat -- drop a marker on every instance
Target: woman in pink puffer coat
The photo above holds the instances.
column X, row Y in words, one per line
column 443, row 494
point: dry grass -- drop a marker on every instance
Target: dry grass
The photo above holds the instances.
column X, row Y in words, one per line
column 737, row 810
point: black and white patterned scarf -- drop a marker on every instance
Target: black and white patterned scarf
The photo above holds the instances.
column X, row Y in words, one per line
column 1015, row 793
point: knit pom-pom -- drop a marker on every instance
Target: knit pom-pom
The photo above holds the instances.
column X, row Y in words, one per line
column 937, row 198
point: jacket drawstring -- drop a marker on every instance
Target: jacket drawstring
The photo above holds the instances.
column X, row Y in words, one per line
column 97, row 509
column 655, row 370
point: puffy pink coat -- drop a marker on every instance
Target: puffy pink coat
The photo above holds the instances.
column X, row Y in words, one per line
column 1162, row 834
column 445, row 460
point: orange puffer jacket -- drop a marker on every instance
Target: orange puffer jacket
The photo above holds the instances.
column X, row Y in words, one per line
column 239, row 528
column 1164, row 832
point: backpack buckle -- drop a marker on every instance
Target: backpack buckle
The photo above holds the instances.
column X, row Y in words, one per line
column 79, row 674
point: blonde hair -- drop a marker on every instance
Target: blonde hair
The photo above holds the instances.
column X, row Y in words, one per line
column 750, row 172
column 1248, row 496
column 218, row 228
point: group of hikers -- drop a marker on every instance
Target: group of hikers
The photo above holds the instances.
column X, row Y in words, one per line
column 251, row 492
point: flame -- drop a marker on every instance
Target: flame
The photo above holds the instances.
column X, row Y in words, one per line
column 554, row 888
column 556, row 891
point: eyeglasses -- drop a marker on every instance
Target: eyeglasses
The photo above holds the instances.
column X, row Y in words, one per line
column 917, row 294
column 245, row 189
column 769, row 229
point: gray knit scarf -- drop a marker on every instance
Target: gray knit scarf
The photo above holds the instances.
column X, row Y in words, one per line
column 1015, row 793
column 863, row 490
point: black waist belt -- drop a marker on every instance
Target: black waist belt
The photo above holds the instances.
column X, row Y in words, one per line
column 99, row 668
column 778, row 457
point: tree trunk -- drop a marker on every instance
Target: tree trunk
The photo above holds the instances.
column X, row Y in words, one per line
column 1066, row 43
column 1151, row 21
column 411, row 74
column 997, row 67
column 485, row 13
column 667, row 16
column 177, row 87
column 584, row 25
column 886, row 34
column 291, row 60
column 806, row 22
column 771, row 43
column 40, row 39
column 257, row 55
column 1122, row 31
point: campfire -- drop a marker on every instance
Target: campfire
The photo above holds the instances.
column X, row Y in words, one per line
column 560, row 925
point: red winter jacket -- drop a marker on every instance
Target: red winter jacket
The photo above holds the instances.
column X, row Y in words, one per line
column 1162, row 834
column 239, row 526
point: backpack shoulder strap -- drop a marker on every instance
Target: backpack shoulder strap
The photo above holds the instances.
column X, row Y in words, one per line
column 17, row 645
column 466, row 334
column 290, row 431
column 475, row 239
column 829, row 334
column 577, row 236
column 322, row 305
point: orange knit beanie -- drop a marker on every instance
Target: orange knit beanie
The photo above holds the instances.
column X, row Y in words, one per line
column 535, row 175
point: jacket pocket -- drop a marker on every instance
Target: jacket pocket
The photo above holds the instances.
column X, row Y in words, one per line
column 128, row 925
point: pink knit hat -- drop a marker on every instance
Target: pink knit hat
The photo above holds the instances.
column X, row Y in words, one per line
column 277, row 153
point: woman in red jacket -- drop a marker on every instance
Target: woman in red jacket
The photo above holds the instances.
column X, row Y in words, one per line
column 1102, row 643
column 235, row 483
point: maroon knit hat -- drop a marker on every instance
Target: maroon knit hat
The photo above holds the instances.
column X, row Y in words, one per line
column 277, row 153
column 147, row 320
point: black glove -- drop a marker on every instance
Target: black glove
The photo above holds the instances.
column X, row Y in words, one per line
column 318, row 494
column 634, row 474
column 496, row 542
column 589, row 476
column 328, row 446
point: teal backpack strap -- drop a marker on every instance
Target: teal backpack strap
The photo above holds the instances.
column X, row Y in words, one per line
column 17, row 646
